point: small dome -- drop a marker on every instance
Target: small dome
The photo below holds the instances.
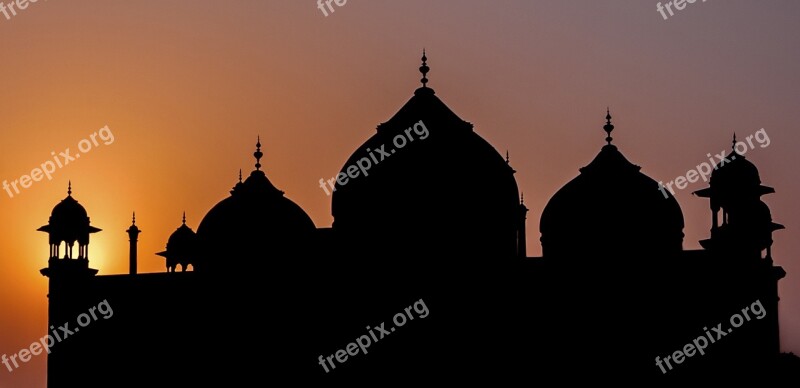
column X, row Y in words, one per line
column 69, row 222
column 181, row 240
column 69, row 213
column 734, row 179
column 736, row 172
column 181, row 247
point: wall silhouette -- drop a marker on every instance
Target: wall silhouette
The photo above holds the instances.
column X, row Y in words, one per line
column 439, row 220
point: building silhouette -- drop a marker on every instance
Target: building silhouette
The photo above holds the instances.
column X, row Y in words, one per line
column 438, row 219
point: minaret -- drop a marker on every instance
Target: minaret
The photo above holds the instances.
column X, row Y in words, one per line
column 522, row 246
column 745, row 229
column 743, row 235
column 133, row 237
column 69, row 278
column 68, row 224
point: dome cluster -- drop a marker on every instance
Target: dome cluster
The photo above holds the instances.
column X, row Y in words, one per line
column 445, row 196
column 257, row 225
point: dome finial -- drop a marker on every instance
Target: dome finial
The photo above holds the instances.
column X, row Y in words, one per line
column 733, row 146
column 522, row 198
column 258, row 153
column 508, row 160
column 184, row 217
column 69, row 189
column 240, row 175
column 608, row 127
column 424, row 70
column 134, row 219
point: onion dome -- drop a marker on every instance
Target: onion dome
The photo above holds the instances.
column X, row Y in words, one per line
column 181, row 247
column 255, row 225
column 426, row 184
column 69, row 222
column 611, row 208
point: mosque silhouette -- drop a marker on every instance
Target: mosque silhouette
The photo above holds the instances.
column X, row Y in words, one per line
column 440, row 221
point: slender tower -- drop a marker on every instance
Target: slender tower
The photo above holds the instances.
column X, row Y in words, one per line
column 522, row 246
column 69, row 279
column 133, row 237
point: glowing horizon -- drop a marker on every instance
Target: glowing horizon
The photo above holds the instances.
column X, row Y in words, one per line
column 186, row 89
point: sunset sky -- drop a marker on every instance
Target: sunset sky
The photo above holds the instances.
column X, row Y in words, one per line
column 186, row 86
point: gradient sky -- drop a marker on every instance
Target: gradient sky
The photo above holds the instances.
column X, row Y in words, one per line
column 185, row 87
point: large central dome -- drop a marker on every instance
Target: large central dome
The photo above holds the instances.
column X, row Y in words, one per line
column 433, row 187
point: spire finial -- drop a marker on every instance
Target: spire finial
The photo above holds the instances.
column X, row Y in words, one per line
column 184, row 217
column 240, row 175
column 733, row 146
column 424, row 69
column 508, row 160
column 69, row 189
column 134, row 218
column 608, row 127
column 258, row 153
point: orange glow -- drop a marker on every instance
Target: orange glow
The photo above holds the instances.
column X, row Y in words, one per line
column 186, row 88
